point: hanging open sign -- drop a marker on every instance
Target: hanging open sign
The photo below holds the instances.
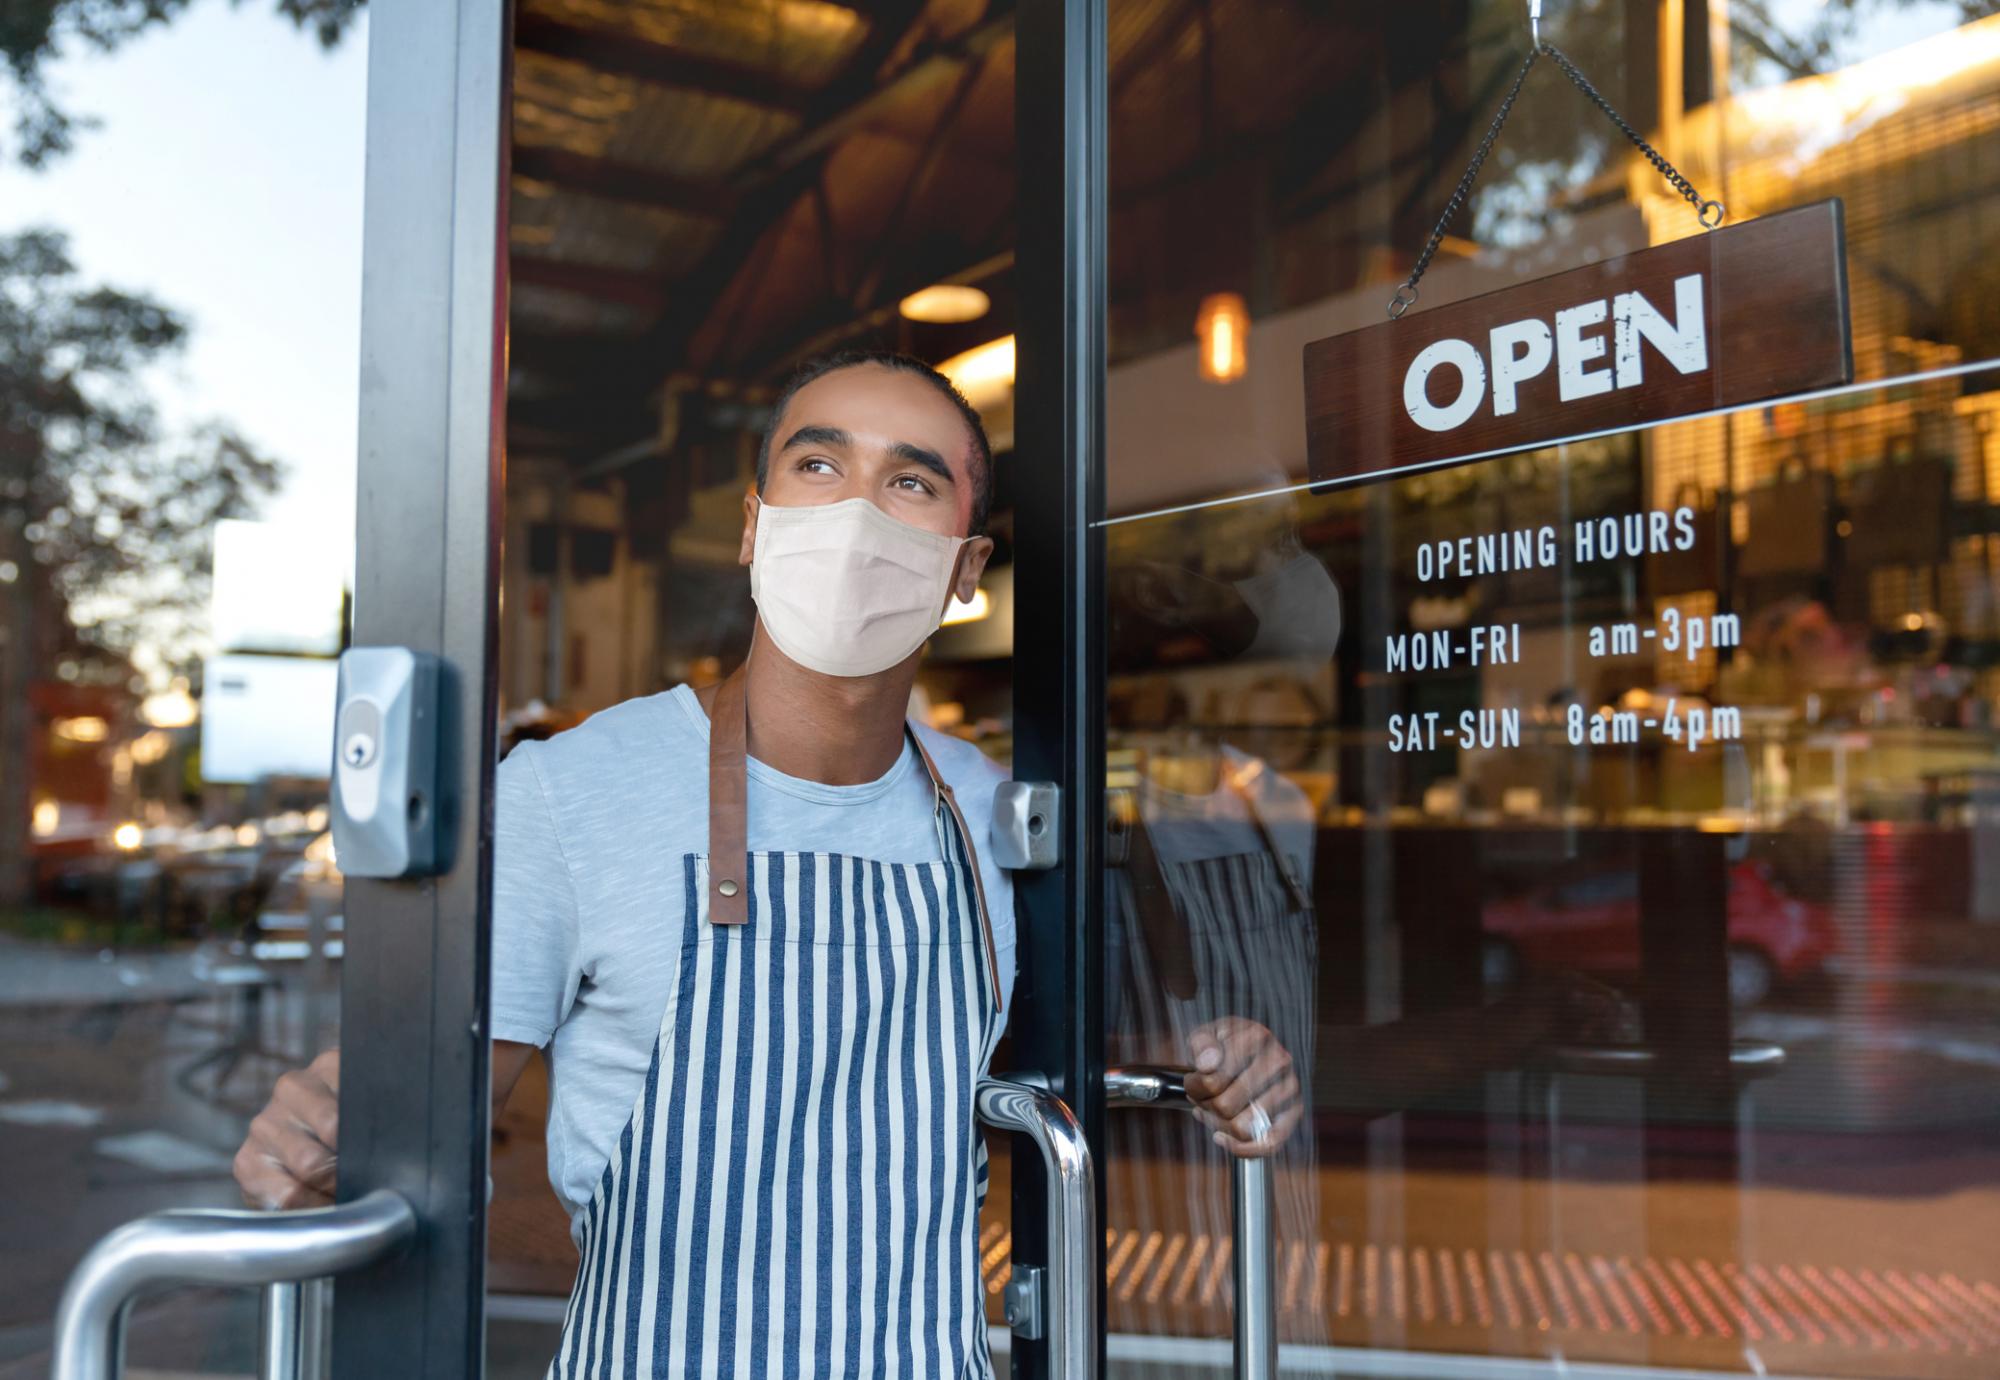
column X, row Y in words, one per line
column 1734, row 316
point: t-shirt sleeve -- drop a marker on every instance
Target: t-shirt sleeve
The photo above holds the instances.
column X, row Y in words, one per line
column 535, row 971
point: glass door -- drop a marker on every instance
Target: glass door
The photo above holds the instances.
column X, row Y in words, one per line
column 179, row 932
column 1624, row 912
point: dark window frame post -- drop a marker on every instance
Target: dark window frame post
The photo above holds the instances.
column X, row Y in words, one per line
column 1057, row 1028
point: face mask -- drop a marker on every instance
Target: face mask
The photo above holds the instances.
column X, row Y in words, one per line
column 1298, row 611
column 845, row 589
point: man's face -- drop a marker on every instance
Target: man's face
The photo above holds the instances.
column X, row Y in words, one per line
column 880, row 434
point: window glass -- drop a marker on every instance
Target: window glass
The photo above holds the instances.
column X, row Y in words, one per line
column 180, row 262
column 1625, row 906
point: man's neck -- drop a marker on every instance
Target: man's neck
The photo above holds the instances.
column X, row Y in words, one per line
column 836, row 730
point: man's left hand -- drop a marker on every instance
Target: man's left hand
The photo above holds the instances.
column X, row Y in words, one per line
column 1243, row 1086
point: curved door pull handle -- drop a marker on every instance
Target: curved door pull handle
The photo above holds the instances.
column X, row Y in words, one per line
column 1069, row 1310
column 226, row 1246
column 1253, row 1263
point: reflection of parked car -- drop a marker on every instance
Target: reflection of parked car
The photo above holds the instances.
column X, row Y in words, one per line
column 1592, row 924
column 177, row 882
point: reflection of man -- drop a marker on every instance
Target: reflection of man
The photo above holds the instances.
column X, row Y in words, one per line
column 1211, row 918
column 752, row 927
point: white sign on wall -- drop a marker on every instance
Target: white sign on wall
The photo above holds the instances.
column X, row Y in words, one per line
column 266, row 716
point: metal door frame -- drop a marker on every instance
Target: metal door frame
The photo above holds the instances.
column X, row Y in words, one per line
column 1057, row 1026
column 414, row 1079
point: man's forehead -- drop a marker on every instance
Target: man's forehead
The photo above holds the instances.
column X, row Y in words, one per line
column 880, row 406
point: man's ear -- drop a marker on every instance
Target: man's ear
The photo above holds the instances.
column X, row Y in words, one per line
column 751, row 503
column 972, row 558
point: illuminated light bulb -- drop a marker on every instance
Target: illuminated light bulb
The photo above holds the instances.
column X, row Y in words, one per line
column 128, row 836
column 171, row 708
column 961, row 612
column 985, row 373
column 945, row 304
column 1223, row 327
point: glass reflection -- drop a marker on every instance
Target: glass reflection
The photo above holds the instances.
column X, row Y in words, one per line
column 1649, row 894
column 1601, row 1008
column 177, row 403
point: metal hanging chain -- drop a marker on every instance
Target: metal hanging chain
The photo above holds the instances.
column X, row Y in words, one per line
column 1710, row 213
column 1406, row 295
column 1667, row 170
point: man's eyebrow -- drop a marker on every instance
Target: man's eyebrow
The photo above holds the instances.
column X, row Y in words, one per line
column 929, row 459
column 818, row 436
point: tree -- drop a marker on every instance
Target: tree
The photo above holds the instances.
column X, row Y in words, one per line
column 33, row 32
column 105, row 513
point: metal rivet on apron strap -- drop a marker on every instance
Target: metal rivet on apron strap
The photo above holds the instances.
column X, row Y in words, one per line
column 728, row 800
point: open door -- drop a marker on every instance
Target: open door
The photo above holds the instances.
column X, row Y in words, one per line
column 403, row 1248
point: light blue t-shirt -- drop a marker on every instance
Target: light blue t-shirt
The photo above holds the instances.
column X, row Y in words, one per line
column 589, row 832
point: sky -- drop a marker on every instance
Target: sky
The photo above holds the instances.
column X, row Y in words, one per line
column 226, row 181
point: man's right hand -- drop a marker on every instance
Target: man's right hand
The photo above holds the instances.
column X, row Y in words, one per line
column 287, row 1161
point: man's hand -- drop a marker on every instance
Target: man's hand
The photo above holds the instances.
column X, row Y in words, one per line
column 288, row 1159
column 1582, row 1010
column 1243, row 1087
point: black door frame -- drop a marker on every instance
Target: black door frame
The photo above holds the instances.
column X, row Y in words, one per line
column 1057, row 1026
column 414, row 1062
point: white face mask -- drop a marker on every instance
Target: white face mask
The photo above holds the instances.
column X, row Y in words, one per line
column 845, row 589
column 1298, row 611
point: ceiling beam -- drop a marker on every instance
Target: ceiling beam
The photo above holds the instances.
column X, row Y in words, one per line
column 626, row 182
column 836, row 321
column 578, row 422
column 773, row 185
column 562, row 353
column 887, row 239
column 625, row 286
column 628, row 55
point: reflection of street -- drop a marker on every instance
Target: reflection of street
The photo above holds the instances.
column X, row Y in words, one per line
column 92, row 1115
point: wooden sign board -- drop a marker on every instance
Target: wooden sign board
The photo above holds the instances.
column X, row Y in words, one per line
column 1733, row 316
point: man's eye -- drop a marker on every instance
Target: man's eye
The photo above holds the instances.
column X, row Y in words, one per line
column 810, row 461
column 913, row 482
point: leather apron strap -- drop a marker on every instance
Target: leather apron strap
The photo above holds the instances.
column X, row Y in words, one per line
column 729, row 803
column 950, row 802
column 728, row 817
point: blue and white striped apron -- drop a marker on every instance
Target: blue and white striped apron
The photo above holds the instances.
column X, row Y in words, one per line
column 797, row 1190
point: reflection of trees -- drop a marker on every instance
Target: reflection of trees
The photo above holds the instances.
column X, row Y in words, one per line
column 35, row 31
column 1819, row 44
column 1555, row 143
column 105, row 516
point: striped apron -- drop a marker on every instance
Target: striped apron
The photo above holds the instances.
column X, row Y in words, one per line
column 798, row 1187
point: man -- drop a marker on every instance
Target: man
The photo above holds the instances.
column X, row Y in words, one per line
column 761, row 1115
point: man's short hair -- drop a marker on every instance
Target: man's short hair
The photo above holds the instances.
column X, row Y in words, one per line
column 821, row 365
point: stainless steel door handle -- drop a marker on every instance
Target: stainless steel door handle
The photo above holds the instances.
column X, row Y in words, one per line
column 1253, row 1263
column 1069, row 1309
column 219, row 1246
